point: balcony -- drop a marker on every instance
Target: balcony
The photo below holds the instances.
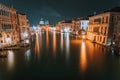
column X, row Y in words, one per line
column 7, row 30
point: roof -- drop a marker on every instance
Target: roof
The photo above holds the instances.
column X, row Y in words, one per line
column 66, row 21
column 82, row 18
column 115, row 9
column 21, row 13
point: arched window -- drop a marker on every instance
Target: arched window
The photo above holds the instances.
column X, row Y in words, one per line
column 1, row 41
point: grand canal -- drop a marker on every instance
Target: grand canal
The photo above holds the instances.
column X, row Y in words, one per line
column 55, row 55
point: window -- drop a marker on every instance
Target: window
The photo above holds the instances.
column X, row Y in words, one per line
column 1, row 41
column 82, row 23
column 104, row 40
column 98, row 20
column 0, row 12
column 100, row 38
column 96, row 29
column 101, row 29
column 118, row 18
column 3, row 26
column 114, row 36
column 105, row 30
column 112, row 18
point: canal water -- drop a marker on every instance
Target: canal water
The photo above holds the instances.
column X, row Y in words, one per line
column 55, row 55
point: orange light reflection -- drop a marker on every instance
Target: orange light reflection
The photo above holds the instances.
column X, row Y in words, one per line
column 37, row 46
column 61, row 41
column 47, row 40
column 67, row 46
column 83, row 58
column 10, row 59
column 54, row 43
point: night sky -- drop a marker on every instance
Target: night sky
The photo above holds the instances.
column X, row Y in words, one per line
column 56, row 10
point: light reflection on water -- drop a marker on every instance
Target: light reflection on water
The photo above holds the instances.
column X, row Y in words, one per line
column 67, row 46
column 10, row 60
column 37, row 46
column 54, row 44
column 61, row 43
column 83, row 57
column 47, row 40
column 28, row 55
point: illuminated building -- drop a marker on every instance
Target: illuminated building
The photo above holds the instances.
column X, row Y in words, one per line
column 8, row 26
column 84, row 24
column 80, row 23
column 41, row 22
column 65, row 26
column 104, row 28
column 24, row 27
column 73, row 25
column 44, row 24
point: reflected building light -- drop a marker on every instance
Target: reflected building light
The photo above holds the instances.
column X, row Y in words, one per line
column 3, row 53
column 27, row 55
column 47, row 40
column 91, row 50
column 37, row 46
column 61, row 41
column 67, row 46
column 83, row 37
column 54, row 43
column 113, row 52
column 10, row 59
column 83, row 58
column 40, row 39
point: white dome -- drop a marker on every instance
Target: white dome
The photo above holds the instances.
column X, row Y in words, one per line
column 41, row 21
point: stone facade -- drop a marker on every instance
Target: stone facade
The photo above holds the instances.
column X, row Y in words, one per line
column 24, row 27
column 65, row 26
column 104, row 28
column 80, row 23
column 8, row 26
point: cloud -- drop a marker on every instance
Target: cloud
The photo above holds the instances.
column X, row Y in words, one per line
column 48, row 11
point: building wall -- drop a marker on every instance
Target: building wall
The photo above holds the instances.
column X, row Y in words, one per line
column 102, row 28
column 77, row 25
column 65, row 26
column 115, row 18
column 98, row 28
column 80, row 23
column 24, row 27
column 73, row 25
column 8, row 26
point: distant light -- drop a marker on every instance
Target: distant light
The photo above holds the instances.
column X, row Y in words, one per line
column 108, row 43
column 113, row 42
column 83, row 36
column 27, row 41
